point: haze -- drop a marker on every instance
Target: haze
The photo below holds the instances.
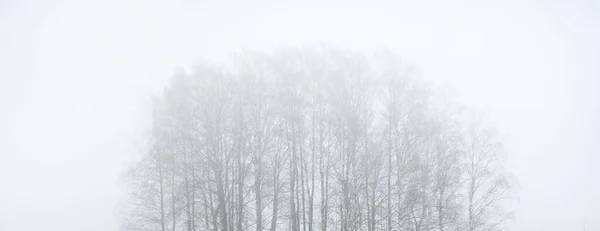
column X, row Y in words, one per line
column 76, row 77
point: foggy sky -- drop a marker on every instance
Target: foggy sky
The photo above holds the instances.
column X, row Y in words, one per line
column 75, row 79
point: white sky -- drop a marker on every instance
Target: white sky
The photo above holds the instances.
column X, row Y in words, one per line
column 75, row 78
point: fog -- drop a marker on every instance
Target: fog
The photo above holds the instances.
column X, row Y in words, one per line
column 76, row 79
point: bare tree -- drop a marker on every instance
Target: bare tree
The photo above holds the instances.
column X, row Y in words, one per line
column 315, row 138
column 446, row 143
column 149, row 176
column 487, row 186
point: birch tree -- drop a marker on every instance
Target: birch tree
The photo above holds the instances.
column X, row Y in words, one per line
column 487, row 185
column 313, row 138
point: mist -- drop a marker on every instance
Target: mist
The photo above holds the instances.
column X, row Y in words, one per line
column 77, row 81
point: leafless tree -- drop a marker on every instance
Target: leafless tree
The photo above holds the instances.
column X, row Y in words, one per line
column 313, row 138
column 487, row 185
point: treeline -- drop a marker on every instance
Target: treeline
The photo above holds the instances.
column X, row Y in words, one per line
column 313, row 139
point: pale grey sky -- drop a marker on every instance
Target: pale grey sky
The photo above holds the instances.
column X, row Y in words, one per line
column 75, row 77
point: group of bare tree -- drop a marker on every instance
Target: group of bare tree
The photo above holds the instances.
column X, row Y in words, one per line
column 313, row 139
